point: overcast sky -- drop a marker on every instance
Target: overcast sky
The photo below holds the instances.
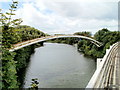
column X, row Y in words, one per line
column 67, row 16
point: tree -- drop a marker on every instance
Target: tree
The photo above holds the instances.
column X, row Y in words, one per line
column 88, row 34
column 7, row 23
column 100, row 35
column 9, row 78
column 104, row 36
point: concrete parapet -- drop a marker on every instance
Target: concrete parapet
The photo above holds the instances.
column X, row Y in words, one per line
column 99, row 60
column 103, row 75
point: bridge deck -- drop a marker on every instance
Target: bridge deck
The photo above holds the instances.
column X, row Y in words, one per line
column 115, row 80
column 33, row 41
column 107, row 75
column 114, row 75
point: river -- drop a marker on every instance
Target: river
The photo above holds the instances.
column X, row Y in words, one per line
column 59, row 66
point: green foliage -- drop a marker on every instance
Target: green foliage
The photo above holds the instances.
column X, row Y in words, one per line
column 6, row 19
column 105, row 36
column 88, row 34
column 7, row 24
column 9, row 37
column 34, row 84
column 27, row 33
column 69, row 40
column 22, row 56
column 9, row 78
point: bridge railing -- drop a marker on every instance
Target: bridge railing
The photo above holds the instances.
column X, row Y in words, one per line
column 41, row 39
column 102, row 77
column 71, row 35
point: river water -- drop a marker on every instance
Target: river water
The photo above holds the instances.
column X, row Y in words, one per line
column 59, row 66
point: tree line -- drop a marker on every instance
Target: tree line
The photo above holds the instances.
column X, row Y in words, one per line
column 105, row 36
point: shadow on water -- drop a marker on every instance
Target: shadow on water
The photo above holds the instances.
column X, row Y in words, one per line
column 21, row 75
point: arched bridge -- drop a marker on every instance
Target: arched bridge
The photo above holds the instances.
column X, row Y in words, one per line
column 30, row 42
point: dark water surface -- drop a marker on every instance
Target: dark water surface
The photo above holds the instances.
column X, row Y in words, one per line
column 59, row 66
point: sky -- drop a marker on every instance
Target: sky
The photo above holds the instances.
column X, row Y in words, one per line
column 67, row 16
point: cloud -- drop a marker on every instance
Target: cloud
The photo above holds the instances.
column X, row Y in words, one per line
column 84, row 10
column 68, row 17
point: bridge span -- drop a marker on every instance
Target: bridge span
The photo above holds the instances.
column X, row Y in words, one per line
column 107, row 74
column 42, row 39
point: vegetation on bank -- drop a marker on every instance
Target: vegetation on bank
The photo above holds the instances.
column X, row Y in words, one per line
column 19, row 33
column 13, row 63
column 25, row 33
column 70, row 40
column 67, row 40
column 105, row 36
column 85, row 33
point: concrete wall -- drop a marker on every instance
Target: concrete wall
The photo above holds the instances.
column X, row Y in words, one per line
column 104, row 69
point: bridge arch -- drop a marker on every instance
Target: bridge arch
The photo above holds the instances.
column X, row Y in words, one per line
column 97, row 43
column 42, row 39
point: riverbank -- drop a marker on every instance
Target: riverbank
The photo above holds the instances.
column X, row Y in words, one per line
column 23, row 58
